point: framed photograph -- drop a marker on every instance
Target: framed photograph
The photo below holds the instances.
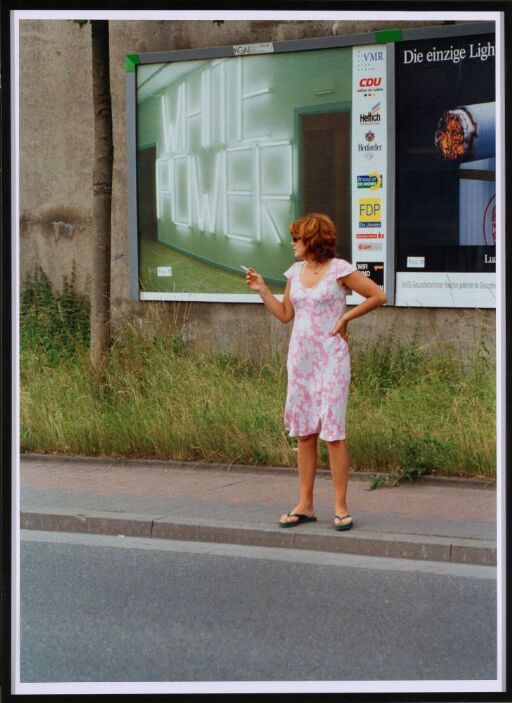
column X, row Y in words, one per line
column 135, row 568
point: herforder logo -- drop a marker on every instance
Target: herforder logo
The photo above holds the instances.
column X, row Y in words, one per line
column 372, row 181
column 373, row 116
column 369, row 147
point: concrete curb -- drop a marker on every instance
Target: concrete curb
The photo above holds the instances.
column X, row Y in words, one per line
column 424, row 548
column 456, row 482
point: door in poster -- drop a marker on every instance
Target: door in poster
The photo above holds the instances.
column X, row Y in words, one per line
column 445, row 210
column 369, row 162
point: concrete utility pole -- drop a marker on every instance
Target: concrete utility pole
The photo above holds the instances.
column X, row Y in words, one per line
column 102, row 193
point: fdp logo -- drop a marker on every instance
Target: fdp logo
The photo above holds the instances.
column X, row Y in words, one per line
column 370, row 212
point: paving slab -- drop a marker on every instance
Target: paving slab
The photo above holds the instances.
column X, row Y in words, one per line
column 170, row 500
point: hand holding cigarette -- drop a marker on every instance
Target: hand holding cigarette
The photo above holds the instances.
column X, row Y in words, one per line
column 254, row 280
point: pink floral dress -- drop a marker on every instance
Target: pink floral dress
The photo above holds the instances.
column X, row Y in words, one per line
column 318, row 365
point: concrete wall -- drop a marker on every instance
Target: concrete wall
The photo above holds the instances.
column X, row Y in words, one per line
column 56, row 149
column 56, row 162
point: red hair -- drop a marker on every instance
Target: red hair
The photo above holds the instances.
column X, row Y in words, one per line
column 318, row 233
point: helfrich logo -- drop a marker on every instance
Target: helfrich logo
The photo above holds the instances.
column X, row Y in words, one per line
column 373, row 115
column 369, row 136
column 370, row 212
column 373, row 181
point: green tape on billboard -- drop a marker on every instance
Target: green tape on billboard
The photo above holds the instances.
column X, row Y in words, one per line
column 130, row 61
column 388, row 35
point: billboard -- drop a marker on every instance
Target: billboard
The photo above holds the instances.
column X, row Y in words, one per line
column 445, row 181
column 229, row 151
column 391, row 134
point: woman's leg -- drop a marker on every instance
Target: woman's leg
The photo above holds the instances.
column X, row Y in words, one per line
column 306, row 464
column 339, row 463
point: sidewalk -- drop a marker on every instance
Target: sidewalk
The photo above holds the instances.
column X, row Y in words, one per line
column 431, row 519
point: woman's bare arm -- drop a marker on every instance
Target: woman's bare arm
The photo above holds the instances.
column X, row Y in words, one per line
column 375, row 297
column 282, row 310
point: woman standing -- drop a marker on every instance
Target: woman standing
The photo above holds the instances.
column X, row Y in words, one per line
column 318, row 355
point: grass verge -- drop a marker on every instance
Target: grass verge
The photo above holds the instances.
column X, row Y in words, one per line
column 409, row 412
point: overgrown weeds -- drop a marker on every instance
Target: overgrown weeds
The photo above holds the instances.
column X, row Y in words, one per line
column 410, row 413
column 54, row 324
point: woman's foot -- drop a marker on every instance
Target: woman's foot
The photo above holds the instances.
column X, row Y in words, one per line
column 296, row 516
column 342, row 521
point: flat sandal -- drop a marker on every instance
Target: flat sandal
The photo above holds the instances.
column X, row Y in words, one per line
column 339, row 527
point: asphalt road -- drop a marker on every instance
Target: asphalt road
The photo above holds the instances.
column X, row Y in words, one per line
column 96, row 608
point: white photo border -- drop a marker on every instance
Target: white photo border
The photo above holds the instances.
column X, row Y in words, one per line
column 449, row 686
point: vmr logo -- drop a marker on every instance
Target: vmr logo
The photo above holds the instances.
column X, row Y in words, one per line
column 370, row 212
column 373, row 55
column 373, row 181
column 370, row 82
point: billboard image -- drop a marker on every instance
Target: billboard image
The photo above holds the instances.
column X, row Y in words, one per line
column 446, row 192
column 396, row 142
column 230, row 151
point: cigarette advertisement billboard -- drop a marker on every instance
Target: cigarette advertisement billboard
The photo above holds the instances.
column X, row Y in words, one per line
column 445, row 172
column 229, row 151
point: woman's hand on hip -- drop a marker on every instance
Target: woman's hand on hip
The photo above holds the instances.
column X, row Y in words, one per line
column 341, row 328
